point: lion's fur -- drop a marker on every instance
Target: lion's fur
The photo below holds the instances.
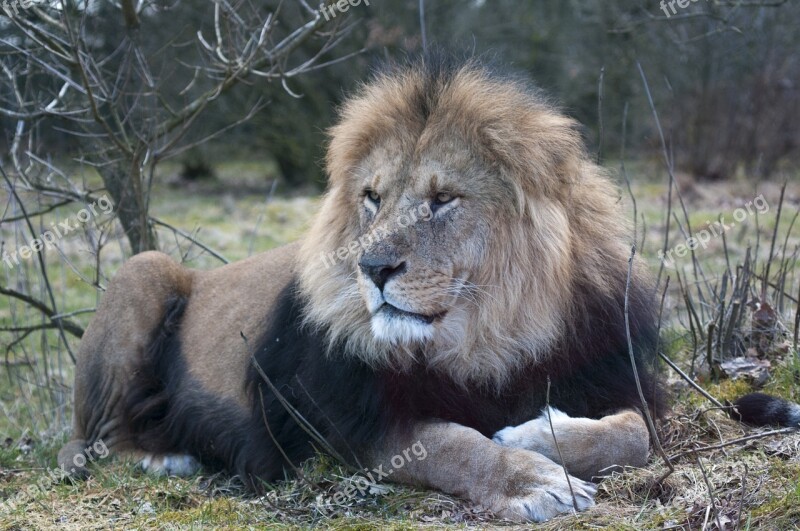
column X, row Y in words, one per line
column 515, row 281
column 558, row 215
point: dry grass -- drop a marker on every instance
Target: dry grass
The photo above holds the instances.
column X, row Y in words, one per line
column 753, row 484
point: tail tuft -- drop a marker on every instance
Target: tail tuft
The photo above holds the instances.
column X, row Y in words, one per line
column 759, row 409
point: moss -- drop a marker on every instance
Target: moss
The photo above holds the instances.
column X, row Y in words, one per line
column 785, row 381
column 221, row 511
column 728, row 390
column 785, row 508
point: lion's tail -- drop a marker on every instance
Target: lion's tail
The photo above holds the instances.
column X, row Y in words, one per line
column 759, row 409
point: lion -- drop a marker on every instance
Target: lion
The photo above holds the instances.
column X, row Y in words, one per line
column 463, row 289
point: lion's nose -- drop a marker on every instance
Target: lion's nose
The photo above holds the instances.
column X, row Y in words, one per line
column 379, row 271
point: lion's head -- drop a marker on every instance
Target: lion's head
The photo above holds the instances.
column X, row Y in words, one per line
column 461, row 214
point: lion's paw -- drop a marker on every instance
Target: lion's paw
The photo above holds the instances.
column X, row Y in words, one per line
column 178, row 465
column 540, row 502
column 525, row 435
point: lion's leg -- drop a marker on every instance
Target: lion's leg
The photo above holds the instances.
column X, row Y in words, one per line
column 589, row 447
column 113, row 349
column 513, row 483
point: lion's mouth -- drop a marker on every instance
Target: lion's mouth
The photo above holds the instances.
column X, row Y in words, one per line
column 393, row 311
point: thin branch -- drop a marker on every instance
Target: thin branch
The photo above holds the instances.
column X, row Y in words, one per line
column 645, row 409
column 422, row 29
column 45, row 279
column 38, row 212
column 690, row 381
column 710, row 493
column 772, row 243
column 558, row 448
column 68, row 326
column 732, row 442
column 668, row 162
column 301, row 421
column 189, row 237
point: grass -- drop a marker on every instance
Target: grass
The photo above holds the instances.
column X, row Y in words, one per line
column 754, row 484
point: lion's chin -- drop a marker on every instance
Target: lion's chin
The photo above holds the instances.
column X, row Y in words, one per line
column 398, row 327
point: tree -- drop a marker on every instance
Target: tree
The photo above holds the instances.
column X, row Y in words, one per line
column 130, row 90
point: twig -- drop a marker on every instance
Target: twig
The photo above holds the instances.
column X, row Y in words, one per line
column 741, row 500
column 752, row 437
column 645, row 409
column 297, row 471
column 772, row 243
column 42, row 265
column 668, row 162
column 710, row 493
column 625, row 173
column 600, row 117
column 423, row 32
column 38, row 212
column 712, row 364
column 32, row 328
column 691, row 382
column 558, row 447
column 777, row 287
column 797, row 323
column 658, row 327
column 75, row 312
column 302, row 422
column 189, row 237
column 68, row 326
column 333, row 425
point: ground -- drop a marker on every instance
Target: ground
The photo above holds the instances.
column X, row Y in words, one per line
column 747, row 484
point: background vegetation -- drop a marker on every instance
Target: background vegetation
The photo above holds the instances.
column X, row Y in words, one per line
column 204, row 124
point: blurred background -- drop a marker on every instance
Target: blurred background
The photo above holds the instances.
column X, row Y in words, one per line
column 723, row 75
column 201, row 126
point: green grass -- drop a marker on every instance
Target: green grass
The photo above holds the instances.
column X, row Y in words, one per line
column 233, row 216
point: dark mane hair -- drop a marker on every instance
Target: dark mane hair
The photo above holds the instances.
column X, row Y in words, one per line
column 353, row 406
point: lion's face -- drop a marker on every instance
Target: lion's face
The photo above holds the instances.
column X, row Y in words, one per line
column 451, row 232
column 424, row 228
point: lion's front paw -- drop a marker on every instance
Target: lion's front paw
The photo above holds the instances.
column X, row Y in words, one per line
column 545, row 502
column 536, row 489
column 542, row 502
column 527, row 435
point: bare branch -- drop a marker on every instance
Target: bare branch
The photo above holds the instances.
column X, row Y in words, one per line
column 189, row 237
column 58, row 322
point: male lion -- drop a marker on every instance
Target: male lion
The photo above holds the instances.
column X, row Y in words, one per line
column 468, row 263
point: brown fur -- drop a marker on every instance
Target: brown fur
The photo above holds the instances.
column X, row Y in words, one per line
column 496, row 267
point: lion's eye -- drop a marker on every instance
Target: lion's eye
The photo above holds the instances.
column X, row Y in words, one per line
column 443, row 198
column 443, row 201
column 372, row 199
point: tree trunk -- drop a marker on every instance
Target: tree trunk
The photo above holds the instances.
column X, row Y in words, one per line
column 124, row 183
